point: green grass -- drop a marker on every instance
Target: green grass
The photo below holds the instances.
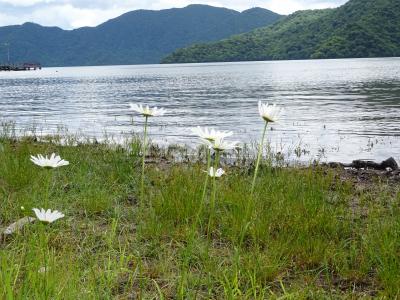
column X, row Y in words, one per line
column 306, row 234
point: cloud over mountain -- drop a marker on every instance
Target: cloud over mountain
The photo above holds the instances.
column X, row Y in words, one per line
column 70, row 14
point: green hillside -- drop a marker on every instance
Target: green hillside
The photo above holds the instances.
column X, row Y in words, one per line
column 360, row 28
column 141, row 36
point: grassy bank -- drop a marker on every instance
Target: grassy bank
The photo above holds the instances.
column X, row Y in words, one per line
column 307, row 233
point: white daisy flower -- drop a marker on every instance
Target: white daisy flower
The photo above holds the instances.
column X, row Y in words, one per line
column 210, row 134
column 218, row 173
column 146, row 111
column 54, row 161
column 47, row 216
column 270, row 113
column 42, row 270
column 221, row 145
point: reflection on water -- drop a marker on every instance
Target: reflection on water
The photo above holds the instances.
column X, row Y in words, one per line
column 342, row 109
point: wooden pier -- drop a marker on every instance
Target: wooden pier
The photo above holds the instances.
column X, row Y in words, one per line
column 20, row 67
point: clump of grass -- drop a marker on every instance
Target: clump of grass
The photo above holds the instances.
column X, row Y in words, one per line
column 302, row 236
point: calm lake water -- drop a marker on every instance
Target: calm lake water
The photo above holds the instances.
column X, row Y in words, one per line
column 335, row 109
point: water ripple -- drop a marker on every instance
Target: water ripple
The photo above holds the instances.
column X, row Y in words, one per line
column 334, row 108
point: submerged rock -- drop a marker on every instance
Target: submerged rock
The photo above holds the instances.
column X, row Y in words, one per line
column 389, row 163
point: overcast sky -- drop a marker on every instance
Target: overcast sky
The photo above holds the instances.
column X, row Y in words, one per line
column 70, row 14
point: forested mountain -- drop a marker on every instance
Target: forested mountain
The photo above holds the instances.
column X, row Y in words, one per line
column 141, row 36
column 360, row 28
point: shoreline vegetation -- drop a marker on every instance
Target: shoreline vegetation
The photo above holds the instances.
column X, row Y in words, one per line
column 309, row 232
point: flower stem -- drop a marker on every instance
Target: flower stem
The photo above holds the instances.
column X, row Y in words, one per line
column 200, row 210
column 215, row 178
column 208, row 169
column 49, row 185
column 260, row 150
column 44, row 240
column 214, row 192
column 144, row 157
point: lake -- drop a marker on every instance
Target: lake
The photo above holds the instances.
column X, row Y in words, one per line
column 334, row 109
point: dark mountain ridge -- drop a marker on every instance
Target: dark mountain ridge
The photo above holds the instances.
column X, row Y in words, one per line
column 141, row 36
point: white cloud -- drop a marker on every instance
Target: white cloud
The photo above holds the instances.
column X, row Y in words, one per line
column 290, row 6
column 70, row 14
column 17, row 3
column 279, row 6
column 8, row 19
